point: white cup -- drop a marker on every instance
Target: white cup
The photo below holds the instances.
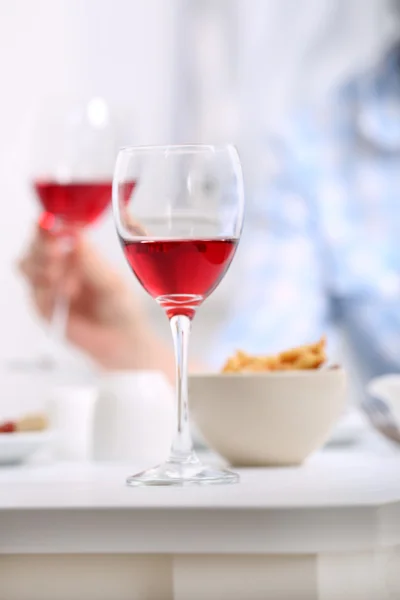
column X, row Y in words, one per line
column 133, row 418
column 70, row 411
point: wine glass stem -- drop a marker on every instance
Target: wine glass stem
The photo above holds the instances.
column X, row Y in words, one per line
column 59, row 318
column 182, row 446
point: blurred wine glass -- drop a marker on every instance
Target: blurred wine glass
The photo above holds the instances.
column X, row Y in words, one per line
column 72, row 154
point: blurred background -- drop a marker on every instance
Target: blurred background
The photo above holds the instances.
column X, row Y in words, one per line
column 178, row 71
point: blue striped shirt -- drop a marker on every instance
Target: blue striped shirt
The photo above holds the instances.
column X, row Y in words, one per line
column 324, row 249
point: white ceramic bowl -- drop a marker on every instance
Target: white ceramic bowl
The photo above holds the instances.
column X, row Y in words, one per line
column 15, row 448
column 268, row 418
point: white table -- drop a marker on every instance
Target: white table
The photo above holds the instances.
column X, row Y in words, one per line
column 329, row 530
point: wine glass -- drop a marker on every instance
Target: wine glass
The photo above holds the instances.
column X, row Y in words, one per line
column 73, row 149
column 179, row 232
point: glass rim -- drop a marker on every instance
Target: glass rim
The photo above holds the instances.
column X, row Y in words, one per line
column 176, row 148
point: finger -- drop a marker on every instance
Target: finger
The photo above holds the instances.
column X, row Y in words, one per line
column 46, row 251
column 56, row 277
column 50, row 276
column 40, row 257
column 44, row 301
column 22, row 265
column 70, row 285
column 46, row 248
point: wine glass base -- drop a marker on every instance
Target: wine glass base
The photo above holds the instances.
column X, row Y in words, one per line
column 182, row 474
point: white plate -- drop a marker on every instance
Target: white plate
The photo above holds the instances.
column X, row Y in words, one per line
column 18, row 447
column 349, row 429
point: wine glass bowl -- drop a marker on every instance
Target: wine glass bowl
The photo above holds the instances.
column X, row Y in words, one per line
column 72, row 204
column 179, row 231
column 73, row 149
column 180, row 274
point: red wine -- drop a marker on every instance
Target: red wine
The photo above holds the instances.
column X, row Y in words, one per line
column 180, row 274
column 75, row 204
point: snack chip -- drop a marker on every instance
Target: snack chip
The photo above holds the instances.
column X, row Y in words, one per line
column 311, row 356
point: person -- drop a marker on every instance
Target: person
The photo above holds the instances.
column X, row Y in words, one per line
column 105, row 319
column 328, row 253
